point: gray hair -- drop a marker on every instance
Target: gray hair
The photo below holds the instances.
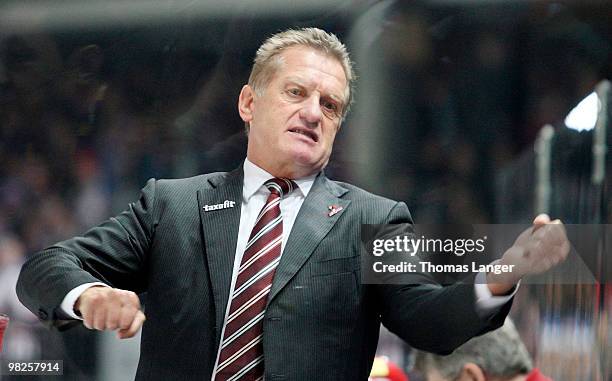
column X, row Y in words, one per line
column 499, row 353
column 267, row 59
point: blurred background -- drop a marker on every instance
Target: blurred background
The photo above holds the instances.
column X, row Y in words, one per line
column 470, row 111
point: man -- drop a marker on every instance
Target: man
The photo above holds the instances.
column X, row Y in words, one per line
column 206, row 249
column 499, row 355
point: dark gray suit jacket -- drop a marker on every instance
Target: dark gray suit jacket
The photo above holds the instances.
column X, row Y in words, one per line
column 321, row 323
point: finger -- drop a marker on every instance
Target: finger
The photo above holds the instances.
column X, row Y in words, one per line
column 99, row 318
column 138, row 321
column 86, row 315
column 522, row 239
column 113, row 314
column 541, row 233
column 132, row 299
column 540, row 220
column 87, row 319
column 128, row 313
column 131, row 306
column 555, row 233
column 86, row 311
column 91, row 302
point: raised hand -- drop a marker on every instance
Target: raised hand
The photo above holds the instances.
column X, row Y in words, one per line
column 536, row 250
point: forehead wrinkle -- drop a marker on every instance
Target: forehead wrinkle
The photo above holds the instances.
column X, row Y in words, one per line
column 304, row 82
column 296, row 80
column 345, row 92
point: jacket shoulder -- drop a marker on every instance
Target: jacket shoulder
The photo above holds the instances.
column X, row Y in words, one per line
column 190, row 183
column 182, row 190
column 359, row 194
column 374, row 209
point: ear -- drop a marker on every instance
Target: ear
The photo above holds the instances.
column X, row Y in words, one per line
column 471, row 372
column 245, row 103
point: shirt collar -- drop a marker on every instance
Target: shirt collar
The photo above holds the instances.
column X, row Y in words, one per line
column 255, row 177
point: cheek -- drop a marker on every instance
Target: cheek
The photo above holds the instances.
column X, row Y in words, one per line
column 331, row 136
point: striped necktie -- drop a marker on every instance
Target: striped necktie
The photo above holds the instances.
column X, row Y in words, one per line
column 241, row 356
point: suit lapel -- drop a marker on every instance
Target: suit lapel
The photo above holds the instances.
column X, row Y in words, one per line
column 310, row 227
column 220, row 232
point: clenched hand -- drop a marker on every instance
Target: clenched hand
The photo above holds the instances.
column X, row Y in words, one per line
column 105, row 308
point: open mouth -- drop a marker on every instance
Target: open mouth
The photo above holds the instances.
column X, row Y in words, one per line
column 308, row 133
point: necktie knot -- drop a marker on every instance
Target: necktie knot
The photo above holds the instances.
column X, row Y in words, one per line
column 281, row 187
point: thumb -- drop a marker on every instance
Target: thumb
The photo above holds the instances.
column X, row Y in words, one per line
column 540, row 220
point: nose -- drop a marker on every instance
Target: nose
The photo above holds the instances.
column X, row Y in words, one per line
column 311, row 111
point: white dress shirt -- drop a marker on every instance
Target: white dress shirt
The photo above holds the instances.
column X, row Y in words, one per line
column 254, row 195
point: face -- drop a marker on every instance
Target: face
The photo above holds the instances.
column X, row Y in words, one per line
column 294, row 121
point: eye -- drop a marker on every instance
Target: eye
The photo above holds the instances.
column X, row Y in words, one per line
column 295, row 91
column 330, row 107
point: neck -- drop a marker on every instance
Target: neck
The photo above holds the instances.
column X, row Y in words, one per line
column 287, row 171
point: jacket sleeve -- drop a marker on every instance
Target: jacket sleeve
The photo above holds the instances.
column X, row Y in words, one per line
column 114, row 252
column 427, row 315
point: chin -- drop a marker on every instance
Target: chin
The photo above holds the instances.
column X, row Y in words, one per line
column 309, row 168
column 306, row 160
column 305, row 157
column 301, row 156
